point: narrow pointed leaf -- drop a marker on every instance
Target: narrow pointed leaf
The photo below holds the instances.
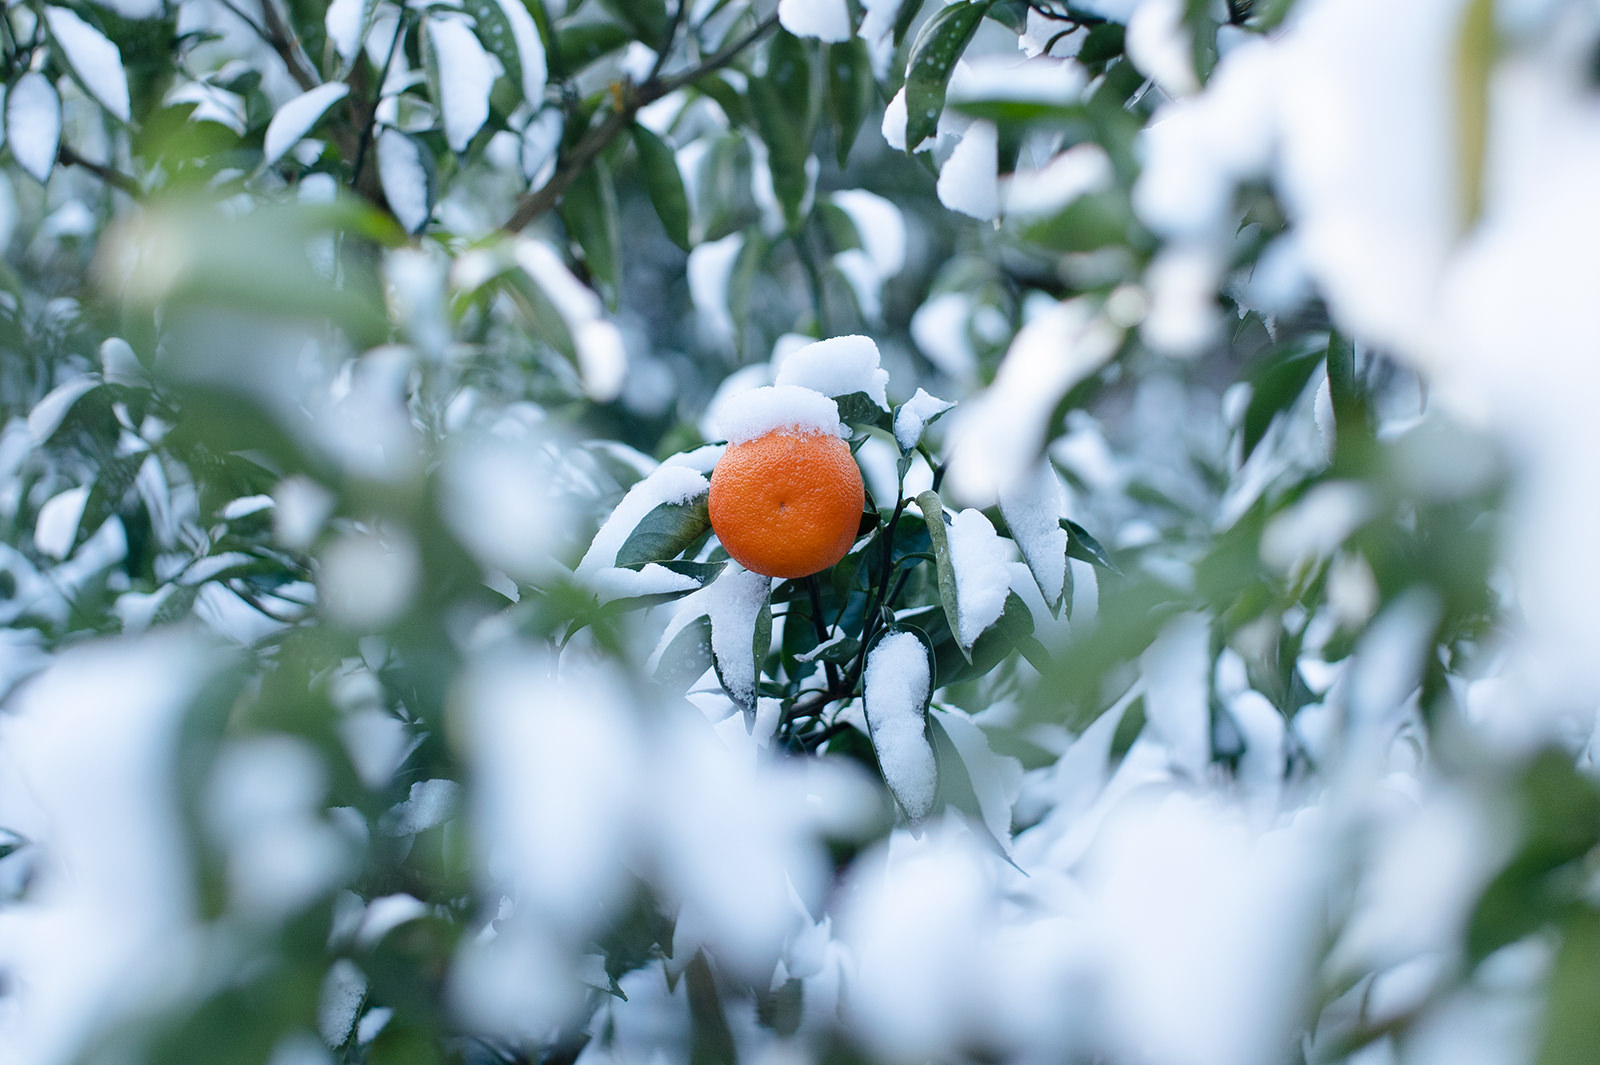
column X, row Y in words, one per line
column 664, row 182
column 933, row 59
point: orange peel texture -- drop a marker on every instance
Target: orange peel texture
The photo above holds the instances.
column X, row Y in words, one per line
column 787, row 504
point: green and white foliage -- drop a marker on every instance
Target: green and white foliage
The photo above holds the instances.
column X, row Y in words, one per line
column 1210, row 681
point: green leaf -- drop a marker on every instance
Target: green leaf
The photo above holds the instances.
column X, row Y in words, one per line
column 852, row 91
column 582, row 43
column 664, row 182
column 666, row 532
column 1085, row 548
column 686, row 658
column 932, row 508
column 1095, row 220
column 646, row 18
column 1274, row 387
column 955, row 787
column 933, row 57
column 904, row 17
column 1103, row 44
column 589, row 211
column 494, row 32
column 858, row 410
column 785, row 113
column 1571, row 1028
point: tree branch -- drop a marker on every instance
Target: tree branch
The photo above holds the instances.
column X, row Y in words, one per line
column 535, row 203
column 287, row 45
column 66, row 156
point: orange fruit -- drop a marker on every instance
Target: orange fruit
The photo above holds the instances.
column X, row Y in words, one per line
column 788, row 503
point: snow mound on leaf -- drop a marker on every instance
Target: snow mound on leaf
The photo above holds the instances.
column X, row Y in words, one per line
column 897, row 678
column 839, row 366
column 761, row 410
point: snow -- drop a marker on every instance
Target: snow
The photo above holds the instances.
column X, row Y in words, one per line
column 1315, row 526
column 541, row 140
column 996, row 778
column 793, row 408
column 57, row 524
column 669, row 483
column 575, row 301
column 1041, row 80
column 344, row 988
column 732, row 602
column 602, row 359
column 385, row 914
column 33, row 124
column 979, row 557
column 826, row 20
column 969, row 180
column 710, row 269
column 1032, row 507
column 427, row 804
column 1160, row 45
column 345, row 21
column 651, row 579
column 838, row 366
column 1000, row 435
column 530, row 49
column 294, row 119
column 46, row 416
column 881, row 227
column 466, row 74
column 913, row 416
column 497, row 496
column 95, row 60
column 365, row 581
column 301, row 507
column 1177, row 670
column 89, row 756
column 896, row 687
column 556, row 763
column 939, row 328
column 1079, row 170
column 404, row 179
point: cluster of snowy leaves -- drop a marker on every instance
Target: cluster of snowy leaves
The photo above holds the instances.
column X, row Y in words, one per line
column 374, row 689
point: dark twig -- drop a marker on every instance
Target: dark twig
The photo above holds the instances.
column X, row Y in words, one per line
column 629, row 100
column 283, row 41
column 115, row 178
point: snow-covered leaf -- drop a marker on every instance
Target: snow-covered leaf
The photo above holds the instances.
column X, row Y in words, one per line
column 933, row 58
column 47, row 414
column 506, row 29
column 33, row 124
column 94, row 60
column 914, row 415
column 403, row 174
column 971, row 558
column 666, row 531
column 1032, row 510
column 347, row 23
column 996, row 779
column 896, row 687
column 465, row 75
column 296, row 118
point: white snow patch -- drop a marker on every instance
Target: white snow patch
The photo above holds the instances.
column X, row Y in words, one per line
column 651, row 579
column 1033, row 506
column 294, row 119
column 1001, row 434
column 979, row 557
column 913, row 416
column 57, row 524
column 996, row 778
column 343, row 989
column 826, row 20
column 760, row 411
column 1177, row 671
column 880, row 226
column 33, row 124
column 896, row 690
column 93, row 58
column 466, row 74
column 404, row 178
column 530, row 49
column 345, row 21
column 669, row 483
column 1081, row 169
column 427, row 804
column 365, row 581
column 838, row 366
column 969, row 180
column 710, row 269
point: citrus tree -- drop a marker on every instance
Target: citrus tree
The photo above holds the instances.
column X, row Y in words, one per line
column 717, row 530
